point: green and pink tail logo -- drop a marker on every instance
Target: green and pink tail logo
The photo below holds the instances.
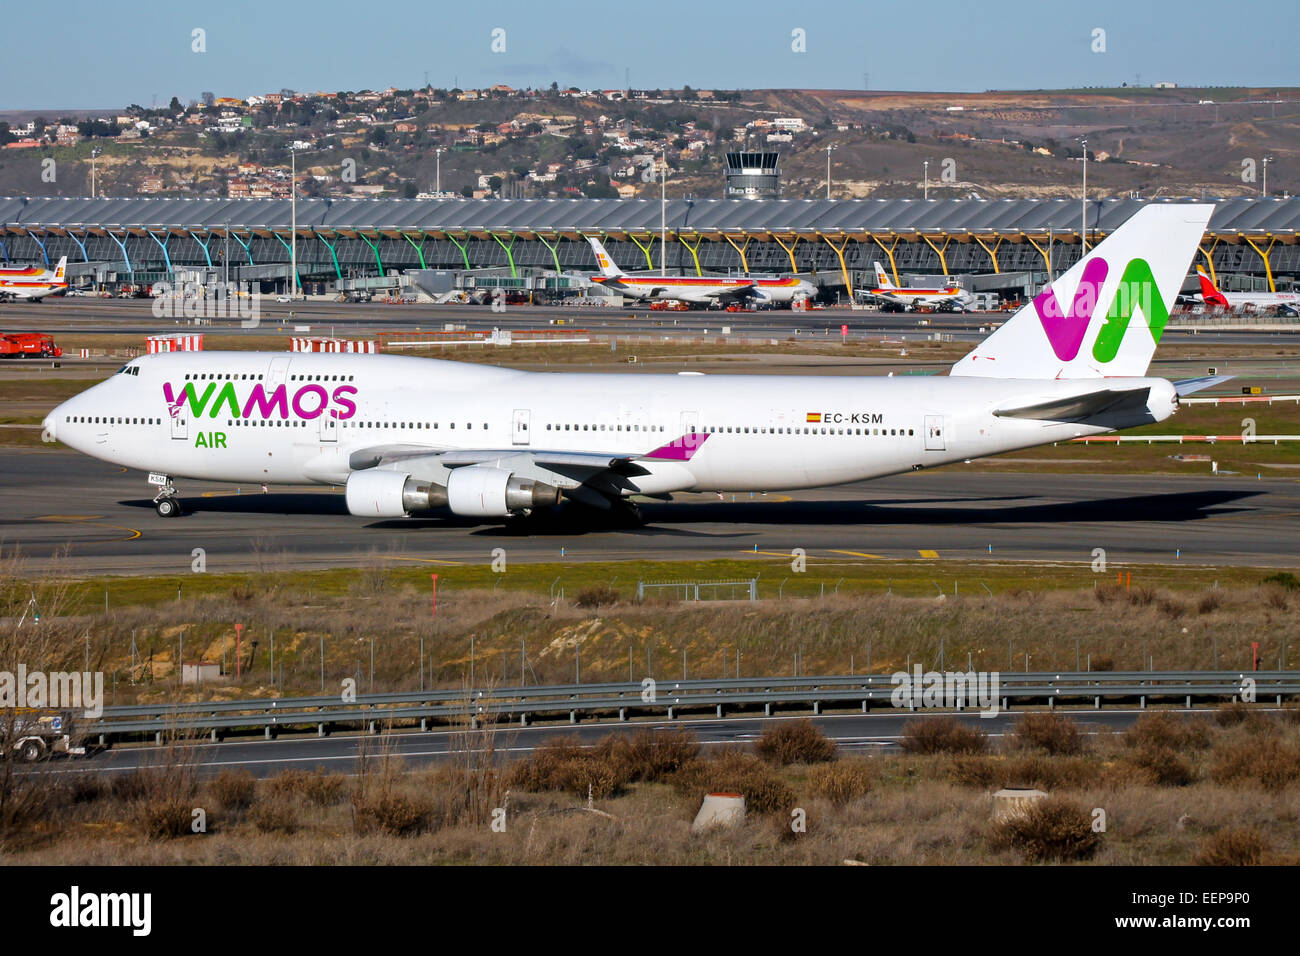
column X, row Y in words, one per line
column 1066, row 328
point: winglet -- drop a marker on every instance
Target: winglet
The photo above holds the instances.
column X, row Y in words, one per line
column 679, row 449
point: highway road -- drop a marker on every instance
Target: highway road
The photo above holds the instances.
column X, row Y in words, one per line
column 52, row 500
column 853, row 733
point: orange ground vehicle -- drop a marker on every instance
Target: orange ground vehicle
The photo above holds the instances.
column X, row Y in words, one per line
column 28, row 345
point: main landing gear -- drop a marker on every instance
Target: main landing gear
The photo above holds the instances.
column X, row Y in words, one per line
column 165, row 502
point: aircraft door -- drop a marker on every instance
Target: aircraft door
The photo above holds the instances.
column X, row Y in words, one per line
column 180, row 414
column 276, row 372
column 519, row 432
column 690, row 425
column 934, row 433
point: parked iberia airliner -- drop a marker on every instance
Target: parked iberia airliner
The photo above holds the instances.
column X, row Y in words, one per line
column 410, row 435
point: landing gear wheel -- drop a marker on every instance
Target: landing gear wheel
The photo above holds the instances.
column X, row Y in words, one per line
column 167, row 507
column 626, row 514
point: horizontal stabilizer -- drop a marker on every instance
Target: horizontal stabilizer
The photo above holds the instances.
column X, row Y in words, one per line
column 1189, row 385
column 1079, row 407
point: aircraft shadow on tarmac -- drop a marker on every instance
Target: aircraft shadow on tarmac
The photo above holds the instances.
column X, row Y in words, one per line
column 1170, row 507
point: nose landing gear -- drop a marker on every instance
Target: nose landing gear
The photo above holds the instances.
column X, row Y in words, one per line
column 165, row 502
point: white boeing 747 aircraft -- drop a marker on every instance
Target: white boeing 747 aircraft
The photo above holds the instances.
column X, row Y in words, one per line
column 408, row 435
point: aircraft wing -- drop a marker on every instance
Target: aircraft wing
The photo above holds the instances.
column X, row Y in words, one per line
column 738, row 292
column 559, row 460
column 1079, row 407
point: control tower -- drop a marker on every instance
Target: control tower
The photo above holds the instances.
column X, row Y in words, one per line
column 753, row 175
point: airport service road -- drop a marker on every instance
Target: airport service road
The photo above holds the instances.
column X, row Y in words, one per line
column 52, row 498
column 854, row 733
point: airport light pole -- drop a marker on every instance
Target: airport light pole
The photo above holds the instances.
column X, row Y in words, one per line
column 663, row 214
column 828, row 169
column 94, row 151
column 925, row 169
column 293, row 222
column 437, row 176
column 1083, row 219
column 1263, row 186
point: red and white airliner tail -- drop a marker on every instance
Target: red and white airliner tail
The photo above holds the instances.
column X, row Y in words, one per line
column 34, row 284
column 1211, row 294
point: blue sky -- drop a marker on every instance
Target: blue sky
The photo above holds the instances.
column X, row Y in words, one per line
column 104, row 55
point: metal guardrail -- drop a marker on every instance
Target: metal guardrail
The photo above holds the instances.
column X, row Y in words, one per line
column 672, row 697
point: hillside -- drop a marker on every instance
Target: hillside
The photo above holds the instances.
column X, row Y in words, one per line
column 551, row 143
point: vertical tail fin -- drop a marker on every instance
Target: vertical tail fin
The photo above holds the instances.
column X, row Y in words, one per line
column 61, row 269
column 1105, row 316
column 603, row 258
column 1209, row 291
column 882, row 279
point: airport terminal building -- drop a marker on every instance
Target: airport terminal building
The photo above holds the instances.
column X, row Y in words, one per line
column 536, row 244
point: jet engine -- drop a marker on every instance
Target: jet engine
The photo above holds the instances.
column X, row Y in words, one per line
column 476, row 491
column 372, row 493
column 482, row 491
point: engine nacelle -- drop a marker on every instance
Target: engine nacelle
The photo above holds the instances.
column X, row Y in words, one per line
column 372, row 493
column 481, row 491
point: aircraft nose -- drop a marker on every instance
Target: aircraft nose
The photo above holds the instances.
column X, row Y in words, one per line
column 49, row 431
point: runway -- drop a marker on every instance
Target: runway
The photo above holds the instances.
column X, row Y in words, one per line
column 55, row 500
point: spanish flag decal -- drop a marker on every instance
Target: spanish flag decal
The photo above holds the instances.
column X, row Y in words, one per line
column 814, row 416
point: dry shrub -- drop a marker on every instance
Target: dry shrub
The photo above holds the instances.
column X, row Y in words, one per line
column 1209, row 602
column 276, row 814
column 1239, row 713
column 128, row 787
column 1057, row 735
column 1158, row 766
column 86, row 788
column 1236, row 846
column 315, row 786
column 651, row 754
column 1107, row 593
column 1171, row 608
column 1262, row 761
column 234, row 789
column 1161, row 730
column 1142, row 597
column 601, row 594
column 605, row 770
column 734, row 771
column 942, row 735
column 162, row 817
column 391, row 813
column 1276, row 597
column 1047, row 773
column 797, row 741
column 1051, row 829
column 841, row 781
column 558, row 765
column 161, row 796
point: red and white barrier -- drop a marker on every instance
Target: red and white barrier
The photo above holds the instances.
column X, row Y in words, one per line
column 175, row 343
column 308, row 344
